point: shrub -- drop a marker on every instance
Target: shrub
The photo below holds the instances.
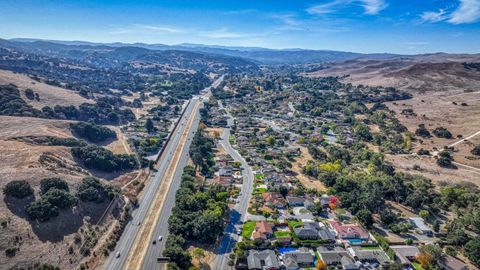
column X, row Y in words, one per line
column 47, row 266
column 54, row 182
column 422, row 131
column 11, row 251
column 423, row 152
column 18, row 188
column 29, row 94
column 442, row 132
column 445, row 160
column 476, row 150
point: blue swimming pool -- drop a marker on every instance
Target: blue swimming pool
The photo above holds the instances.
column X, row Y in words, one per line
column 355, row 241
column 285, row 250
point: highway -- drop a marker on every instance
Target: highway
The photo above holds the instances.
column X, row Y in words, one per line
column 171, row 160
column 161, row 228
column 239, row 212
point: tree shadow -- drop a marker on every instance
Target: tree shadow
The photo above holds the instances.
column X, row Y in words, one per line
column 227, row 242
column 68, row 221
column 17, row 206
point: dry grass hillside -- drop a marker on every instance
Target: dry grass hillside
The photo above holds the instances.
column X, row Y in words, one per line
column 57, row 240
column 425, row 73
column 446, row 94
column 49, row 95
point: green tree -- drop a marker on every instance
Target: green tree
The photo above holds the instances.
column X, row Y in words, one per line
column 18, row 188
column 149, row 125
column 472, row 250
column 53, row 182
column 365, row 217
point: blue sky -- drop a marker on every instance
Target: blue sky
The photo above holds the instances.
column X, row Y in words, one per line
column 396, row 26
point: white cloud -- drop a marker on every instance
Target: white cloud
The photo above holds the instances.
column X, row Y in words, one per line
column 326, row 8
column 417, row 43
column 155, row 28
column 287, row 19
column 371, row 7
column 222, row 33
column 467, row 12
column 434, row 16
column 145, row 28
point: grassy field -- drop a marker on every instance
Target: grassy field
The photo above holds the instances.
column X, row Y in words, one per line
column 248, row 228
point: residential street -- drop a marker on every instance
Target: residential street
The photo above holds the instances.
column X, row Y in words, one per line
column 238, row 214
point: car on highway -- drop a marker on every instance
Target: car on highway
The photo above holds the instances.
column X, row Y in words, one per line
column 160, row 238
column 117, row 255
column 154, row 241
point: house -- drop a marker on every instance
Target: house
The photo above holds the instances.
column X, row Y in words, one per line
column 308, row 204
column 298, row 259
column 332, row 256
column 313, row 231
column 222, row 180
column 295, row 201
column 262, row 260
column 349, row 231
column 448, row 262
column 225, row 171
column 420, row 225
column 372, row 256
column 405, row 254
column 348, row 263
column 325, row 200
column 274, row 199
column 263, row 231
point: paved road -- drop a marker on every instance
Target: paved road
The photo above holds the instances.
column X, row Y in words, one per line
column 238, row 214
column 161, row 228
column 138, row 215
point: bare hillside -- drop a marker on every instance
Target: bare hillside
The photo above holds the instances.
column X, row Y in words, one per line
column 422, row 74
column 49, row 95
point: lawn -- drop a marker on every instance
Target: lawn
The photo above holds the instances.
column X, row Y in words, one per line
column 259, row 191
column 294, row 223
column 248, row 228
column 417, row 266
column 370, row 247
column 279, row 234
column 259, row 176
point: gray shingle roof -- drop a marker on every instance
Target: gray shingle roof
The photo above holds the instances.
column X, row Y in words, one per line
column 262, row 259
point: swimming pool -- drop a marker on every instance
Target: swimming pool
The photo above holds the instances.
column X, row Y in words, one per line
column 355, row 241
column 286, row 250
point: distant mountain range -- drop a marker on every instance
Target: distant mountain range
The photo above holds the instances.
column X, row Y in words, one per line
column 256, row 54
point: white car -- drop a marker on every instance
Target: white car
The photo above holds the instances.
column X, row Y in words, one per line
column 160, row 238
column 117, row 255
